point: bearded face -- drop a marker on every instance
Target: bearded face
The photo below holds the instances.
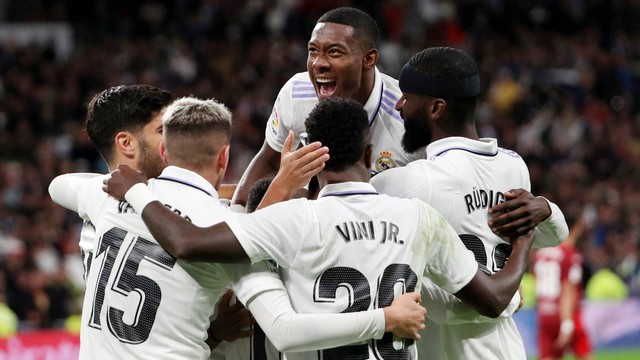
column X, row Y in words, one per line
column 417, row 131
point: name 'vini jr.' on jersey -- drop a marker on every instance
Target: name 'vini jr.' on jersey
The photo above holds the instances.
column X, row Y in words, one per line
column 482, row 199
column 367, row 230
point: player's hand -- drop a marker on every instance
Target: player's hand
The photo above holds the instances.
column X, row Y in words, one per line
column 520, row 213
column 233, row 321
column 405, row 316
column 299, row 166
column 563, row 340
column 121, row 180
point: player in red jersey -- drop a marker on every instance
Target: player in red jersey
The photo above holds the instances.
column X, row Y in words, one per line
column 559, row 289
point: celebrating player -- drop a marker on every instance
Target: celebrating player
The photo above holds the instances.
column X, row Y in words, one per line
column 146, row 304
column 341, row 61
column 558, row 272
column 350, row 250
column 462, row 177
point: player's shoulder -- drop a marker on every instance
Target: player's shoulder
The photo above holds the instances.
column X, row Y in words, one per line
column 299, row 86
column 510, row 153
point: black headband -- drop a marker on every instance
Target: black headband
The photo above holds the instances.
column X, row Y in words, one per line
column 414, row 82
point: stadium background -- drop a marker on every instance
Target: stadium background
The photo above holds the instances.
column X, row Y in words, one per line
column 559, row 85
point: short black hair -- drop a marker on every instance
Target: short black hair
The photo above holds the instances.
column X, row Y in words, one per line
column 342, row 125
column 444, row 62
column 364, row 26
column 256, row 193
column 122, row 108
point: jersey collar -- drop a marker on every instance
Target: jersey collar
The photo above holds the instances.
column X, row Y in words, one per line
column 375, row 98
column 188, row 178
column 483, row 146
column 347, row 188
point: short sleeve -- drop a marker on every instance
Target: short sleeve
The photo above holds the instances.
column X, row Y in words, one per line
column 275, row 232
column 450, row 264
column 276, row 131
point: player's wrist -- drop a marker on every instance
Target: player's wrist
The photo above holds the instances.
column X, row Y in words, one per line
column 139, row 196
column 567, row 326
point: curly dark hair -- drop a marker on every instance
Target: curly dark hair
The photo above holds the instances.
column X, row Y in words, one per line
column 342, row 125
column 256, row 193
column 364, row 26
column 122, row 108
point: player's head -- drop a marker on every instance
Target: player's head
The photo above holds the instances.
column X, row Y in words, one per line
column 256, row 193
column 342, row 125
column 342, row 54
column 123, row 123
column 440, row 86
column 196, row 136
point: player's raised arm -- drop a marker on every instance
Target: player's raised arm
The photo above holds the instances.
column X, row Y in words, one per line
column 179, row 237
column 264, row 163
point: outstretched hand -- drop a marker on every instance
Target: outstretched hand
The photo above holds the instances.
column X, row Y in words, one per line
column 296, row 170
column 299, row 166
column 232, row 322
column 405, row 316
column 520, row 213
column 121, row 180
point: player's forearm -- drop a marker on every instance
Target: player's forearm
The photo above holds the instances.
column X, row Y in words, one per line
column 568, row 302
column 186, row 241
column 292, row 332
column 554, row 229
column 181, row 238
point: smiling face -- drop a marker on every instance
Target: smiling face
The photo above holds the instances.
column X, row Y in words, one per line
column 335, row 62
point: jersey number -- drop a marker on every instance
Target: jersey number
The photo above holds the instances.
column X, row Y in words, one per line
column 500, row 253
column 359, row 291
column 127, row 281
column 547, row 279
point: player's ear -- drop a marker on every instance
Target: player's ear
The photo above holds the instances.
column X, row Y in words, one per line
column 370, row 59
column 437, row 108
column 163, row 152
column 223, row 157
column 125, row 144
column 368, row 155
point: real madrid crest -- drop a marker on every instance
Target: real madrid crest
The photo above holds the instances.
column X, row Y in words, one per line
column 385, row 161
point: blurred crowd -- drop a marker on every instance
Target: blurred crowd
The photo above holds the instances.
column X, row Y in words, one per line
column 559, row 83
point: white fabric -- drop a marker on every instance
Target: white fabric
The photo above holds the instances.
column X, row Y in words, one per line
column 462, row 178
column 187, row 291
column 58, row 188
column 297, row 98
column 356, row 248
column 137, row 197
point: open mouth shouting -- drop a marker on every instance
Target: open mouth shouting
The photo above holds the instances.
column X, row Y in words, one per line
column 326, row 87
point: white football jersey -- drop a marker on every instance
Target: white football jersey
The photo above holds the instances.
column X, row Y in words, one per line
column 462, row 178
column 353, row 250
column 141, row 303
column 297, row 98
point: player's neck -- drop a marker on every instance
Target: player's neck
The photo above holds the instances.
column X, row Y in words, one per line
column 356, row 173
column 368, row 81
